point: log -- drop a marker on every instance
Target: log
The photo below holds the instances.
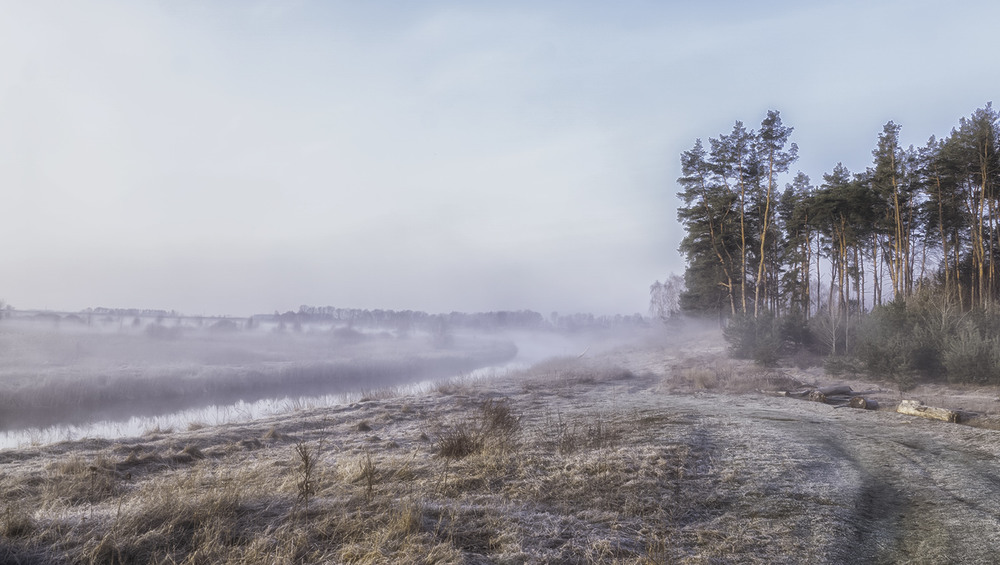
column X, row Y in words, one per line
column 863, row 403
column 819, row 393
column 839, row 395
column 918, row 408
column 816, row 396
column 830, row 394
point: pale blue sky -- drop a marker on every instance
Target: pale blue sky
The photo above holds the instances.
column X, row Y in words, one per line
column 238, row 157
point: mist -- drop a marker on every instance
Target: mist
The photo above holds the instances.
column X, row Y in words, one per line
column 108, row 372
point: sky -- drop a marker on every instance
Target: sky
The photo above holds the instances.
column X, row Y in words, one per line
column 238, row 157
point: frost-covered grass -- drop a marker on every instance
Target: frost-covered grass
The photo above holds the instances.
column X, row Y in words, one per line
column 521, row 469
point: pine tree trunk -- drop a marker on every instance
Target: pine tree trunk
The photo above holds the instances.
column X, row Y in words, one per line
column 808, row 265
column 763, row 235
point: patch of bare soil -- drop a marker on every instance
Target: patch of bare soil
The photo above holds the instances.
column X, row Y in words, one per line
column 650, row 453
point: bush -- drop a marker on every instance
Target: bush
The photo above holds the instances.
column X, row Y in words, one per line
column 758, row 338
column 794, row 330
column 885, row 340
column 928, row 336
column 971, row 357
column 157, row 331
column 841, row 365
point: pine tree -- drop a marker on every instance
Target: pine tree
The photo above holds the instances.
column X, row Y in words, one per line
column 973, row 146
column 737, row 168
column 774, row 158
column 708, row 216
column 795, row 215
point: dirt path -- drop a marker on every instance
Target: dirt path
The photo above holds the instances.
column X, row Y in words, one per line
column 890, row 488
column 843, row 485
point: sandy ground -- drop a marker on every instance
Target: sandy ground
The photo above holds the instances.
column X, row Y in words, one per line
column 676, row 459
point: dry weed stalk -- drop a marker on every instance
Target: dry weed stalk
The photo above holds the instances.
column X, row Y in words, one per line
column 369, row 474
column 306, row 470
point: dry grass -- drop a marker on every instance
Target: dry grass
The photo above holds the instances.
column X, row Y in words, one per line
column 570, row 371
column 381, row 393
column 461, row 385
column 572, row 462
column 75, row 481
column 494, row 426
column 726, row 375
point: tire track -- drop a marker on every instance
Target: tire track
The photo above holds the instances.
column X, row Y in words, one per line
column 871, row 487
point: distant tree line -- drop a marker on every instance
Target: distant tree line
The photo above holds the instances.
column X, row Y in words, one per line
column 411, row 319
column 396, row 320
column 820, row 257
column 131, row 312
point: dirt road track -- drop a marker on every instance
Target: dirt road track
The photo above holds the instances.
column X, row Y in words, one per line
column 835, row 485
column 847, row 486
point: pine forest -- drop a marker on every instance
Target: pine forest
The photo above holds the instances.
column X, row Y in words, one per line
column 892, row 269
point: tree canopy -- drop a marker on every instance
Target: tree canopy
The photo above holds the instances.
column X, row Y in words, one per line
column 762, row 239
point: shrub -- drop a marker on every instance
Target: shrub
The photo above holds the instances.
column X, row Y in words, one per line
column 927, row 336
column 499, row 423
column 157, row 331
column 458, row 441
column 841, row 365
column 971, row 357
column 224, row 326
column 758, row 338
column 884, row 337
column 794, row 330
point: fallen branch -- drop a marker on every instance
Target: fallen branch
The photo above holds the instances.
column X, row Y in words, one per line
column 834, row 394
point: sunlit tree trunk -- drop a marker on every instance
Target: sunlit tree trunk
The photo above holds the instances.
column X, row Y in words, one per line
column 808, row 251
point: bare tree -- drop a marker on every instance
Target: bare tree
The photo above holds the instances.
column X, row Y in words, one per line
column 664, row 297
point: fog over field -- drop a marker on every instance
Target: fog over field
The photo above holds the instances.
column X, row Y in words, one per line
column 120, row 373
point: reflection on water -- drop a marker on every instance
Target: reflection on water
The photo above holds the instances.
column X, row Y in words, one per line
column 212, row 415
